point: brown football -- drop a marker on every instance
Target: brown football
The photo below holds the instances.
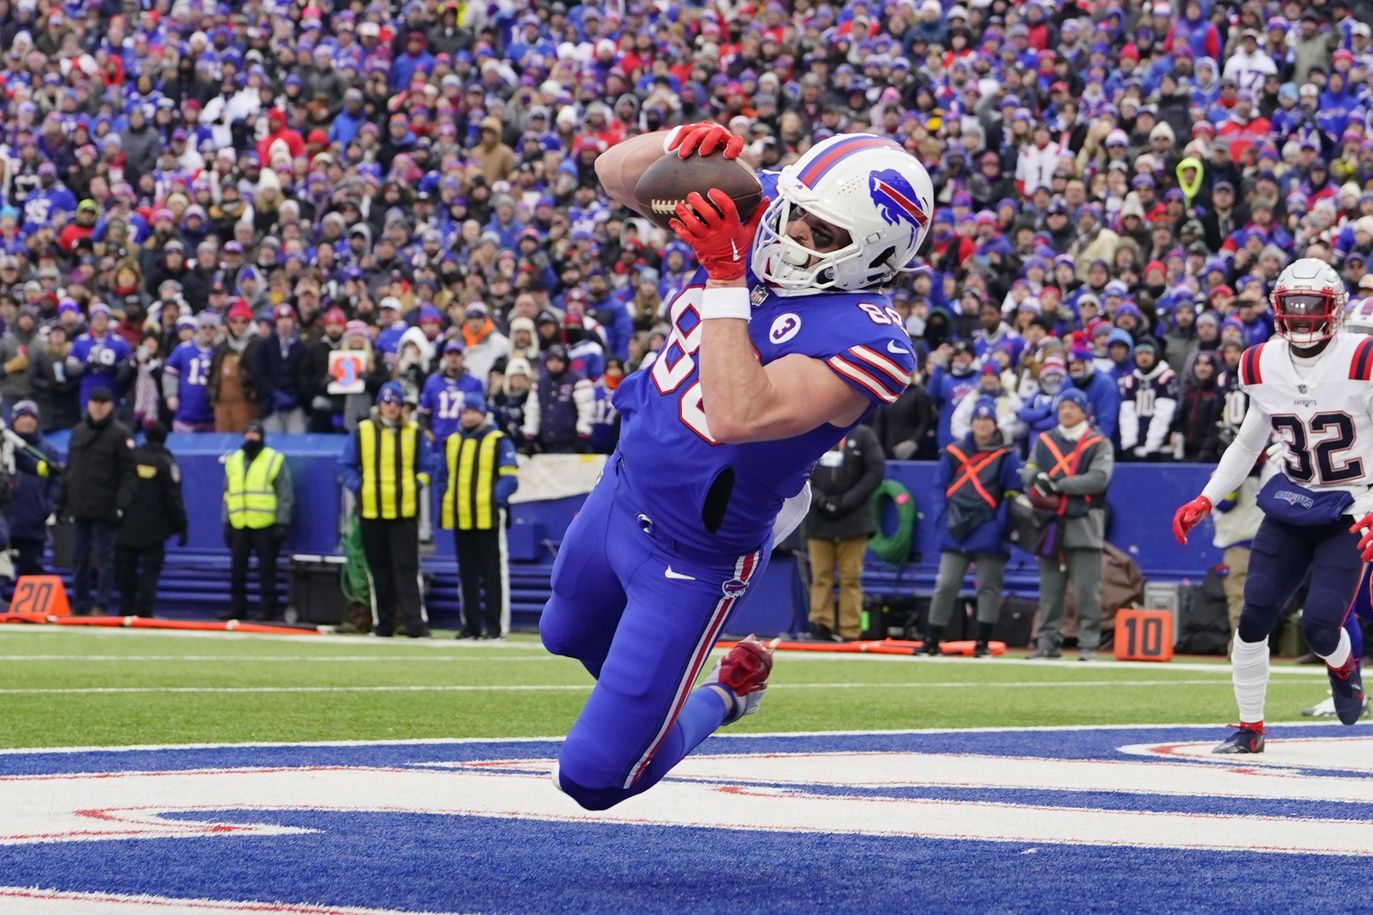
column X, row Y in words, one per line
column 668, row 181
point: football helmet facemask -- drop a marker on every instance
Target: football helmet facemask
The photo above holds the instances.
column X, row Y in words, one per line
column 865, row 184
column 1308, row 302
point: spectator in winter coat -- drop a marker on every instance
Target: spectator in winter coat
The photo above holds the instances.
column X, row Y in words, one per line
column 508, row 405
column 837, row 531
column 1149, row 400
column 485, row 344
column 989, row 386
column 557, row 417
column 904, row 428
column 1103, row 394
column 54, row 390
column 232, row 390
column 971, row 484
column 37, row 483
column 1199, row 411
column 949, row 386
column 16, row 375
column 280, row 376
column 153, row 510
column 1039, row 412
column 99, row 458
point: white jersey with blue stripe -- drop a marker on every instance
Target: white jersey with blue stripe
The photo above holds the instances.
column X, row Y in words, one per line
column 722, row 498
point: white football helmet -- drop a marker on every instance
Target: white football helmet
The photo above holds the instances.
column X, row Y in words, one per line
column 1358, row 317
column 866, row 184
column 1308, row 302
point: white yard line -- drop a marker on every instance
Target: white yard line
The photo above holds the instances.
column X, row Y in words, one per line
column 570, row 687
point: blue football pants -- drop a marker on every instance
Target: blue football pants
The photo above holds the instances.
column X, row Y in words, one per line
column 642, row 618
column 1281, row 557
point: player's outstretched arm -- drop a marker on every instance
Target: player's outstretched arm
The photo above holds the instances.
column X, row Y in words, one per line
column 1234, row 466
column 619, row 167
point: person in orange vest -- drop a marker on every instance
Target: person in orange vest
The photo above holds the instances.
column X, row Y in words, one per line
column 969, row 502
column 1069, row 469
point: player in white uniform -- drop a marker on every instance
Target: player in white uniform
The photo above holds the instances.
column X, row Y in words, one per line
column 1310, row 386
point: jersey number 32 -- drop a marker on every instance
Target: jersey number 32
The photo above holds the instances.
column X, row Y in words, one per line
column 1313, row 447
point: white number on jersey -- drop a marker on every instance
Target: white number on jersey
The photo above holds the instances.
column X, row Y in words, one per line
column 677, row 360
column 450, row 403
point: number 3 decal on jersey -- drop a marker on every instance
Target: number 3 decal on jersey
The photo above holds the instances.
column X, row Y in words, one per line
column 1309, row 460
column 676, row 362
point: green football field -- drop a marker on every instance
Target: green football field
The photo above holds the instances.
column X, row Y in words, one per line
column 62, row 687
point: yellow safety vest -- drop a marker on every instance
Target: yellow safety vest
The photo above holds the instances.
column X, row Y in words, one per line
column 249, row 493
column 469, row 503
column 390, row 488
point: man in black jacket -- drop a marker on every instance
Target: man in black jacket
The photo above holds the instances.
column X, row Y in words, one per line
column 36, row 484
column 99, row 457
column 837, row 530
column 153, row 509
column 279, row 376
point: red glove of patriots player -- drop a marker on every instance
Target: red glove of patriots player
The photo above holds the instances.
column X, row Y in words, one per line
column 704, row 138
column 1364, row 526
column 721, row 241
column 1189, row 516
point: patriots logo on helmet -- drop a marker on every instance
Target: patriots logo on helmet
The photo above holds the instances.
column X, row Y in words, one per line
column 897, row 201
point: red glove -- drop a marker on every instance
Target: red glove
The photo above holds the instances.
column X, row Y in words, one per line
column 1189, row 516
column 704, row 138
column 1364, row 526
column 721, row 241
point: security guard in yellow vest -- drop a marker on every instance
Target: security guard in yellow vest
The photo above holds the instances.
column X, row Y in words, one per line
column 385, row 465
column 257, row 515
column 477, row 480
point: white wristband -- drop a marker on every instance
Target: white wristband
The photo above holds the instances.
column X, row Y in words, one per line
column 725, row 302
column 671, row 136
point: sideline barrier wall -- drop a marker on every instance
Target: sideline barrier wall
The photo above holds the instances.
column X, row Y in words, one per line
column 1142, row 498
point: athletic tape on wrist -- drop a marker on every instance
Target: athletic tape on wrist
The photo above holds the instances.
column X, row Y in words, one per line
column 725, row 302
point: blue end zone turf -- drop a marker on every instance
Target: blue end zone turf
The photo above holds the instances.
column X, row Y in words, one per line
column 442, row 862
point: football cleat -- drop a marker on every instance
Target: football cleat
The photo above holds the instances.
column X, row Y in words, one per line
column 1346, row 691
column 741, row 676
column 1243, row 740
column 1326, row 709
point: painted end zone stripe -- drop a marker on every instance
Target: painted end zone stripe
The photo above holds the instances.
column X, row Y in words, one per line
column 818, row 168
column 743, row 570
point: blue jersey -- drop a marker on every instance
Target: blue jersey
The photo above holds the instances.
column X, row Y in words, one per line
column 674, row 462
column 102, row 358
column 190, row 365
column 441, row 401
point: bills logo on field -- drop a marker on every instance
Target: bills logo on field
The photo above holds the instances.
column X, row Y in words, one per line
column 240, row 827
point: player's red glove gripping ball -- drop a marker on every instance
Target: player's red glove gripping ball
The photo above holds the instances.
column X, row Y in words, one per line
column 714, row 231
column 703, row 138
column 1364, row 526
column 1189, row 516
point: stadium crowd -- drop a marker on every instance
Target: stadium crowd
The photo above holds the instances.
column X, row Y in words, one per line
column 202, row 201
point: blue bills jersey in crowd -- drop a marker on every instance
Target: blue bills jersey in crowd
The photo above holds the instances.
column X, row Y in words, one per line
column 189, row 363
column 102, row 358
column 441, row 401
column 665, row 439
